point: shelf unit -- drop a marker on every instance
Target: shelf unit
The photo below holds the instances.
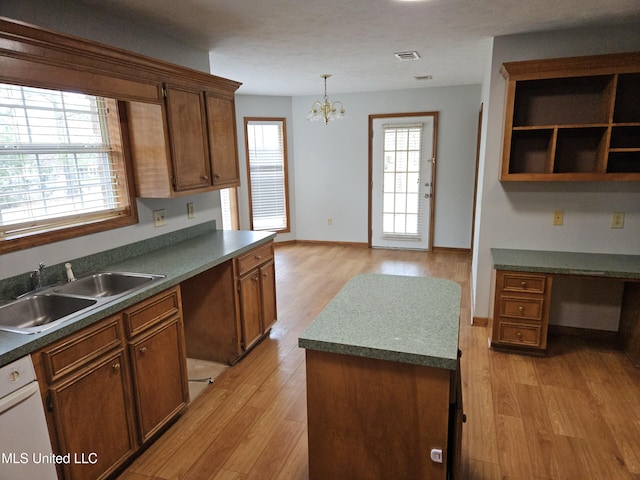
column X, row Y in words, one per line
column 572, row 119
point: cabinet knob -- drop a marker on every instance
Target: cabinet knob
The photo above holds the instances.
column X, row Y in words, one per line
column 521, row 309
column 258, row 257
column 215, row 175
column 205, row 177
column 142, row 349
column 519, row 335
column 116, row 366
column 523, row 284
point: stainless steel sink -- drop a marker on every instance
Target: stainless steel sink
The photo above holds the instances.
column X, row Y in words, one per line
column 105, row 284
column 44, row 309
column 37, row 313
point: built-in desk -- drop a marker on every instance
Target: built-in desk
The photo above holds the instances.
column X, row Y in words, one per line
column 522, row 287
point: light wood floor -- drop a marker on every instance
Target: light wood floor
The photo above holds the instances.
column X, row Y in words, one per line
column 572, row 415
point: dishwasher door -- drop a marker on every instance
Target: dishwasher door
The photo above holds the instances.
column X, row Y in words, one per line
column 25, row 448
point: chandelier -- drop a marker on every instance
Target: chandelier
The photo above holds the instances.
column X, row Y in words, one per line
column 325, row 110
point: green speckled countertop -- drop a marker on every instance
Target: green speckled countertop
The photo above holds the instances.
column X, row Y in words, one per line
column 388, row 317
column 567, row 263
column 177, row 261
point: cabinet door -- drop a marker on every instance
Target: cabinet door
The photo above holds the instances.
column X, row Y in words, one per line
column 250, row 309
column 188, row 137
column 92, row 416
column 221, row 121
column 268, row 291
column 159, row 376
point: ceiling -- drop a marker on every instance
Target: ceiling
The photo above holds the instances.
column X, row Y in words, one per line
column 281, row 47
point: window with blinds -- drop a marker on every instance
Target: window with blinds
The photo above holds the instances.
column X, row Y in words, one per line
column 61, row 161
column 267, row 171
column 401, row 215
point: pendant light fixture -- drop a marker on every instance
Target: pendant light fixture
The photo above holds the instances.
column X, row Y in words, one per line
column 324, row 109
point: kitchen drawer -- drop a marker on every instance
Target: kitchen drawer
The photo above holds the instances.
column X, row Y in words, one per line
column 519, row 334
column 81, row 348
column 253, row 258
column 152, row 311
column 521, row 307
column 512, row 282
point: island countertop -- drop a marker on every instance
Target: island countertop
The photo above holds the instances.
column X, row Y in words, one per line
column 390, row 317
column 177, row 262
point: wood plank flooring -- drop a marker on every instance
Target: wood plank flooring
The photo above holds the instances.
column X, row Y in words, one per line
column 572, row 415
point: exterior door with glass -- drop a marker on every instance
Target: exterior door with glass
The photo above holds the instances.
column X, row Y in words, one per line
column 402, row 174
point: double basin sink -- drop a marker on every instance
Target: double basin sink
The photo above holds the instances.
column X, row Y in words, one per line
column 49, row 307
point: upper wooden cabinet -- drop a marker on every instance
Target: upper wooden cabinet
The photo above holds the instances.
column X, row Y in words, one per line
column 223, row 145
column 572, row 119
column 186, row 146
column 181, row 122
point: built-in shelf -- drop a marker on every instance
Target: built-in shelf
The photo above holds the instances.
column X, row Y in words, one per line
column 572, row 119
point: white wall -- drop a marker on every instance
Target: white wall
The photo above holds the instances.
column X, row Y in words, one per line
column 331, row 161
column 519, row 215
column 71, row 18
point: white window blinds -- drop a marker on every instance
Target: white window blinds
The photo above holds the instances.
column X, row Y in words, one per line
column 266, row 154
column 58, row 162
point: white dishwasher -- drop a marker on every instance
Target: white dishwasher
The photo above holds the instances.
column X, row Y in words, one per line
column 25, row 448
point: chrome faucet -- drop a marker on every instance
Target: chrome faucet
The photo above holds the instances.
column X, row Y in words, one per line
column 36, row 277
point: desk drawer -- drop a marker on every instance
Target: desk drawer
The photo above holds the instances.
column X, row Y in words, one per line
column 522, row 307
column 526, row 283
column 253, row 258
column 519, row 334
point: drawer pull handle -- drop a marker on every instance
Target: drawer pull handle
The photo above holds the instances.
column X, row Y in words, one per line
column 521, row 309
column 116, row 366
column 258, row 257
column 143, row 349
column 523, row 284
column 204, row 177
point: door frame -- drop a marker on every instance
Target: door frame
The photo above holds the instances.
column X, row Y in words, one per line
column 432, row 203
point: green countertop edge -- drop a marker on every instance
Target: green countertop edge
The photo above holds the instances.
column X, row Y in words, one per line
column 179, row 261
column 436, row 348
column 567, row 263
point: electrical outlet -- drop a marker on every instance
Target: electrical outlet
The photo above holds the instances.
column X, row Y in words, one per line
column 159, row 218
column 329, row 221
column 617, row 220
column 191, row 210
column 558, row 217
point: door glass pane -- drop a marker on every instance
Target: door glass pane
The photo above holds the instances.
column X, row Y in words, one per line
column 401, row 180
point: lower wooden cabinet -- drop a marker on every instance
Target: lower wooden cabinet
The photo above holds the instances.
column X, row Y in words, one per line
column 230, row 307
column 256, row 285
column 521, row 304
column 107, row 392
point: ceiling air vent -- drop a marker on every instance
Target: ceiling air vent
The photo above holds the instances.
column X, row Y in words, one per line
column 407, row 55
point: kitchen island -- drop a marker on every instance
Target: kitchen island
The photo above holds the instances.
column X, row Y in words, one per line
column 383, row 380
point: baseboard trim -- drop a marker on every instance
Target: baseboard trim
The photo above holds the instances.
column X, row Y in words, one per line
column 479, row 321
column 364, row 245
column 322, row 242
column 450, row 250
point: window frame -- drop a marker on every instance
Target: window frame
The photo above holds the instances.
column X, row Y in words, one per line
column 58, row 230
column 285, row 166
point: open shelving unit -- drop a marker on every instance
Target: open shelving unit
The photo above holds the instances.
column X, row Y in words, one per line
column 572, row 119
